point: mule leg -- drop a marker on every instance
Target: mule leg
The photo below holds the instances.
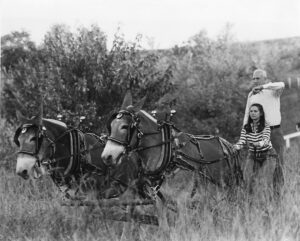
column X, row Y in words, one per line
column 130, row 229
column 160, row 207
column 126, row 231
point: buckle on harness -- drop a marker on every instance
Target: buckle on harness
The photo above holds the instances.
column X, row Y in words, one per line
column 152, row 191
column 155, row 189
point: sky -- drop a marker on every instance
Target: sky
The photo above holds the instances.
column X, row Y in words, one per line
column 162, row 23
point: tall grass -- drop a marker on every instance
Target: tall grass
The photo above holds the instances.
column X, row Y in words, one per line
column 31, row 210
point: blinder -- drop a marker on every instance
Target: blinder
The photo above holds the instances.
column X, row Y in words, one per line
column 21, row 129
column 16, row 136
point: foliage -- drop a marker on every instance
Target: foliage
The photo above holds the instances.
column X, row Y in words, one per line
column 76, row 75
column 210, row 78
column 31, row 210
column 14, row 48
column 7, row 151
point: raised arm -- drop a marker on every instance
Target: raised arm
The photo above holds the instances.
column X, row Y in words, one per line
column 274, row 86
column 277, row 87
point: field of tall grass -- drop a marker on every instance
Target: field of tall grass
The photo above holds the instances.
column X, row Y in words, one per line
column 31, row 210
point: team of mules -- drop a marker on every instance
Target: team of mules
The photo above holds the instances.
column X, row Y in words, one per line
column 140, row 153
column 70, row 157
column 166, row 152
column 73, row 161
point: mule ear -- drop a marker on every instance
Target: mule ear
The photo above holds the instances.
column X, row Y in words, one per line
column 20, row 117
column 139, row 106
column 127, row 100
column 38, row 119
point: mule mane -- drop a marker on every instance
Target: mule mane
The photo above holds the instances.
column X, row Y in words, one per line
column 57, row 122
column 55, row 126
column 149, row 116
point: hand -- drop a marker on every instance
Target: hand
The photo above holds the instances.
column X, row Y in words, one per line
column 237, row 147
column 257, row 89
column 256, row 144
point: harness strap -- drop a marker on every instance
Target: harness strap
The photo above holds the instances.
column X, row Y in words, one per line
column 195, row 142
column 148, row 147
column 151, row 133
column 92, row 168
column 123, row 143
column 80, row 150
column 79, row 165
column 202, row 161
column 83, row 150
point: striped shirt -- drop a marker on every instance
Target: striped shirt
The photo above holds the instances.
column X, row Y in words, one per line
column 263, row 138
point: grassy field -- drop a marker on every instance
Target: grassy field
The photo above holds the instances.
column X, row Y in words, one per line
column 31, row 210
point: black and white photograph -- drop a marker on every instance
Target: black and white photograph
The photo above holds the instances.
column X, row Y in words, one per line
column 147, row 120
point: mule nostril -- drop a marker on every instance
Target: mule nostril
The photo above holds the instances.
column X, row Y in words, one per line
column 107, row 160
column 24, row 173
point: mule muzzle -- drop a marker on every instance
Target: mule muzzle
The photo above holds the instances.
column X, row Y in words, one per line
column 112, row 153
column 28, row 166
column 23, row 173
column 108, row 160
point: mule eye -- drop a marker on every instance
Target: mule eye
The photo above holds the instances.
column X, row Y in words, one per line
column 33, row 138
column 119, row 115
column 124, row 127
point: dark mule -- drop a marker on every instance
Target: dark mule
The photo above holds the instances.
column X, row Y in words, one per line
column 164, row 150
column 71, row 157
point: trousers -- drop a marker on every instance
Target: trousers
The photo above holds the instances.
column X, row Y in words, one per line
column 278, row 143
column 264, row 177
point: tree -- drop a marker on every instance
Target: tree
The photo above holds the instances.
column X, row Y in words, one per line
column 15, row 47
column 77, row 76
column 18, row 52
column 210, row 77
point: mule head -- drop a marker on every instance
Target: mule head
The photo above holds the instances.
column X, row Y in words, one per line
column 121, row 129
column 134, row 130
column 29, row 140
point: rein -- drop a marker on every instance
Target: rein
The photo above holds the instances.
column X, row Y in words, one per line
column 164, row 125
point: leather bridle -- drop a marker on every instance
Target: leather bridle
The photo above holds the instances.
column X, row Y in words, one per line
column 134, row 127
column 40, row 136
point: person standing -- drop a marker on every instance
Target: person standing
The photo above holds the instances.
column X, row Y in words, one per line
column 262, row 159
column 268, row 95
